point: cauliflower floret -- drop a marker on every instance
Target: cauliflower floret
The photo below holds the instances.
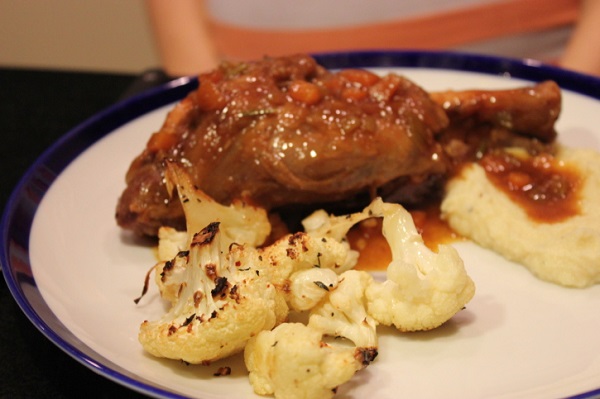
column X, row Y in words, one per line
column 293, row 361
column 343, row 312
column 173, row 258
column 289, row 261
column 217, row 307
column 423, row 289
column 321, row 224
column 240, row 223
column 295, row 266
column 170, row 243
column 267, row 277
column 169, row 276
column 225, row 298
column 309, row 286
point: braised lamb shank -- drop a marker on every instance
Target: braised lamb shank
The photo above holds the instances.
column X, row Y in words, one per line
column 287, row 132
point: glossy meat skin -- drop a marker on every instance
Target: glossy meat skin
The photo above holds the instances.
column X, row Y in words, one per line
column 285, row 132
column 529, row 111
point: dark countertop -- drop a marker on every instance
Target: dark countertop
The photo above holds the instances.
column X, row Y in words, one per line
column 37, row 107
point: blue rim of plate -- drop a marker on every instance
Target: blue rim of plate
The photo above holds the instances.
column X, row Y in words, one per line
column 21, row 207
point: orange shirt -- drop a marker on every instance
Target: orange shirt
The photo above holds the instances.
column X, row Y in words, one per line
column 517, row 28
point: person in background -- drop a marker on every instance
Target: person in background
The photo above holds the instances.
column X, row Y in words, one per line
column 193, row 36
column 583, row 50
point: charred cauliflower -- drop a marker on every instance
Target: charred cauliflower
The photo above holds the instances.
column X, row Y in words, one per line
column 227, row 294
column 293, row 262
column 240, row 222
column 216, row 309
column 221, row 299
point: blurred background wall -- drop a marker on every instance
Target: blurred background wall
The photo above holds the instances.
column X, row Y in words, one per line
column 89, row 35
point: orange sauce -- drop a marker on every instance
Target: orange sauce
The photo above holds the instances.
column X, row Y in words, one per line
column 547, row 190
column 375, row 253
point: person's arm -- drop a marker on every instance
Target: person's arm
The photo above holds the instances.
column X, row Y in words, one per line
column 182, row 37
column 583, row 51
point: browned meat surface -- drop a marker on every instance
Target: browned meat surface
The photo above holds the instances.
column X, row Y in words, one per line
column 530, row 111
column 286, row 132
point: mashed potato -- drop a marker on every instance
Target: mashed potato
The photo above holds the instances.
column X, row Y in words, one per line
column 565, row 253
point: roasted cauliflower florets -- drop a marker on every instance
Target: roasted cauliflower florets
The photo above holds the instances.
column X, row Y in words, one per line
column 228, row 294
column 290, row 262
column 423, row 289
column 287, row 263
column 266, row 278
column 216, row 309
column 295, row 361
column 292, row 361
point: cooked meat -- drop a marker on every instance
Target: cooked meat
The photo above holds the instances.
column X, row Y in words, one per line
column 530, row 111
column 286, row 132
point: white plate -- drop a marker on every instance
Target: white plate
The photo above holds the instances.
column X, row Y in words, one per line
column 78, row 274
